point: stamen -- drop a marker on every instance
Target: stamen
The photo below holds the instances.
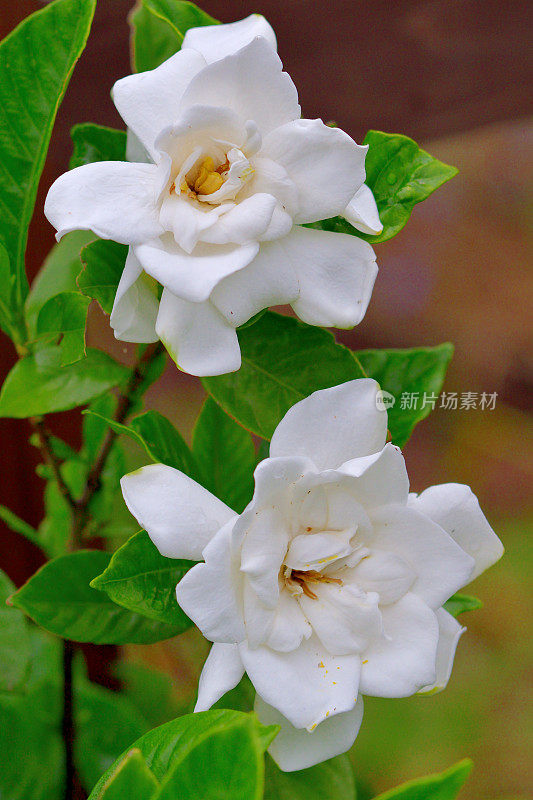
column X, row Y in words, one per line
column 302, row 579
column 209, row 180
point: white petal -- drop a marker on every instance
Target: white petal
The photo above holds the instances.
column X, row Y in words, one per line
column 324, row 163
column 258, row 617
column 262, row 552
column 306, row 685
column 333, row 425
column 218, row 41
column 384, row 573
column 272, row 178
column 193, row 276
column 136, row 152
column 290, row 625
column 210, row 593
column 115, row 199
column 296, row 749
column 450, row 632
column 197, row 337
column 251, row 83
column 315, row 550
column 336, row 272
column 149, row 101
column 179, row 515
column 362, row 212
column 136, row 305
column 381, row 478
column 455, row 508
column 188, row 220
column 344, row 618
column 269, row 280
column 222, row 671
column 403, row 659
column 246, row 222
column 441, row 566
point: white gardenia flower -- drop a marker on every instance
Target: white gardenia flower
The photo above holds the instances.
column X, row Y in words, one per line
column 231, row 173
column 330, row 585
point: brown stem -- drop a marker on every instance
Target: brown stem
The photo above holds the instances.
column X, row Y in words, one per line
column 43, row 435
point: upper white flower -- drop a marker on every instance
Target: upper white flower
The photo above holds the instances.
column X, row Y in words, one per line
column 331, row 583
column 215, row 215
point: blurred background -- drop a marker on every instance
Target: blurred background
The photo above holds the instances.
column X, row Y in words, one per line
column 455, row 75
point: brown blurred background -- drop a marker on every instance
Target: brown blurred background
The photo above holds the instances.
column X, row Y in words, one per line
column 455, row 75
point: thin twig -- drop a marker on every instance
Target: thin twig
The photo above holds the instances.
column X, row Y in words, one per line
column 47, row 452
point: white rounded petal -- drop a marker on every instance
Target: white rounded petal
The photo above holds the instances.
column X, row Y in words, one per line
column 222, row 671
column 343, row 617
column 115, row 199
column 402, row 660
column 455, row 508
column 149, row 101
column 188, row 220
column 450, row 631
column 197, row 337
column 218, row 41
column 272, row 178
column 258, row 617
column 135, row 150
column 295, row 748
column 336, row 273
column 210, row 593
column 179, row 515
column 262, row 552
column 290, row 626
column 252, row 83
column 315, row 550
column 306, row 685
column 193, row 276
column 245, row 223
column 384, row 573
column 136, row 305
column 362, row 212
column 269, row 280
column 333, row 425
column 440, row 565
column 381, row 478
column 324, row 163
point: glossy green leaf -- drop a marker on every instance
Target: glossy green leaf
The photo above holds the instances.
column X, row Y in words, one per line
column 38, row 384
column 103, row 263
column 152, row 691
column 66, row 315
column 59, row 598
column 164, row 442
column 58, row 274
column 331, row 780
column 130, row 779
column 159, row 27
column 54, row 530
column 406, row 374
column 236, row 766
column 400, row 175
column 95, row 424
column 283, row 361
column 18, row 525
column 7, row 291
column 442, row 786
column 167, row 745
column 36, row 62
column 14, row 640
column 96, row 143
column 225, row 455
column 459, row 603
column 142, row 580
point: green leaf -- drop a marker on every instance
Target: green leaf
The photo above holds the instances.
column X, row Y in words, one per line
column 130, row 778
column 400, row 175
column 459, row 603
column 95, row 425
column 142, row 580
column 164, row 443
column 225, row 455
column 66, row 315
column 150, row 690
column 236, row 766
column 167, row 745
column 103, row 263
column 7, row 287
column 330, row 780
column 59, row 598
column 106, row 723
column 58, row 274
column 38, row 384
column 14, row 641
column 159, row 27
column 18, row 525
column 36, row 62
column 283, row 361
column 96, row 143
column 418, row 371
column 54, row 530
column 442, row 786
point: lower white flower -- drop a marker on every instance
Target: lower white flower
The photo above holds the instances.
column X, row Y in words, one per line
column 330, row 584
